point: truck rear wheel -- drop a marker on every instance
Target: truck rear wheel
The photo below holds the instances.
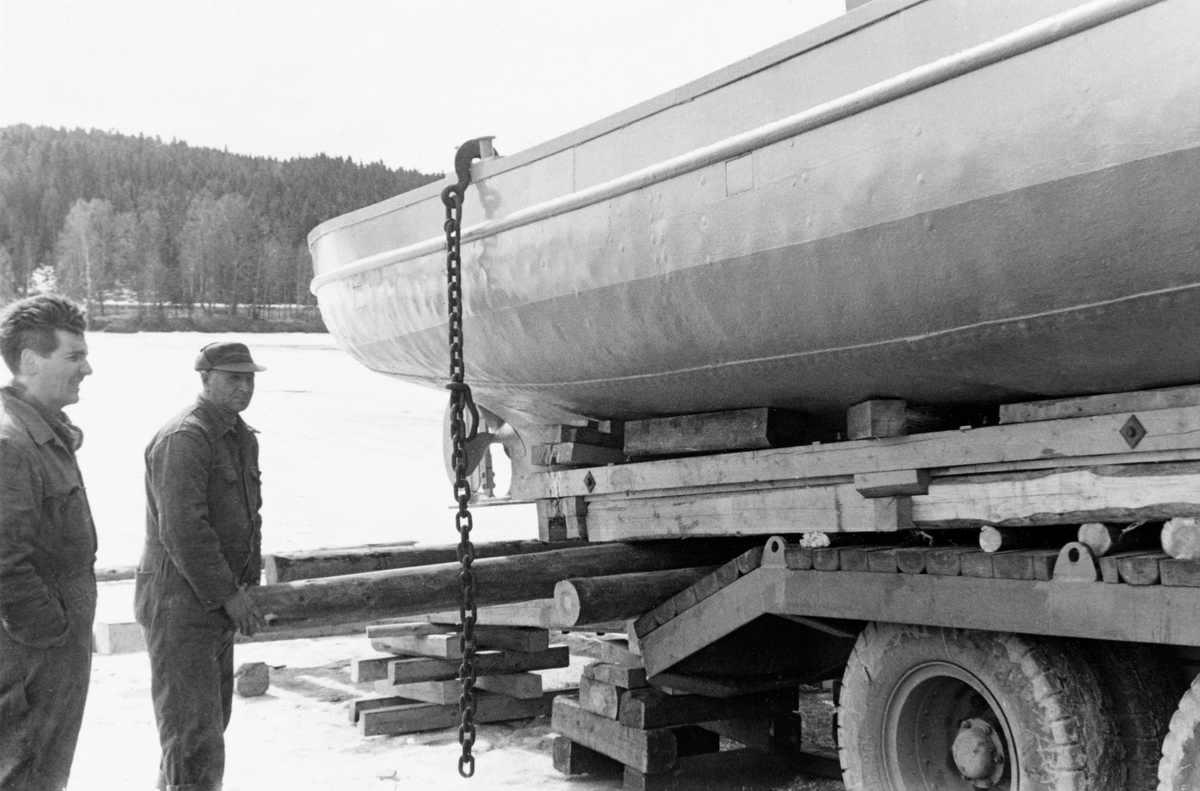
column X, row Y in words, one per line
column 1179, row 769
column 925, row 709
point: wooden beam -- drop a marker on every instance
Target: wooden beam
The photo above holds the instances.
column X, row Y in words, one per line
column 879, row 417
column 571, row 759
column 600, row 697
column 651, row 708
column 619, row 675
column 574, row 454
column 619, row 597
column 523, row 686
column 515, row 638
column 892, row 483
column 741, row 429
column 487, row 663
column 1148, row 614
column 1128, row 402
column 1181, row 538
column 320, row 563
column 652, row 751
column 1067, row 441
column 405, row 592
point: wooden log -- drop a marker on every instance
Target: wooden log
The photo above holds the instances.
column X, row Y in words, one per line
column 1109, row 570
column 412, row 718
column 404, row 592
column 570, row 759
column 653, row 751
column 320, row 563
column 994, row 539
column 741, row 429
column 1181, row 538
column 1140, row 568
column 619, row 596
column 1104, row 538
column 652, row 708
column 600, row 697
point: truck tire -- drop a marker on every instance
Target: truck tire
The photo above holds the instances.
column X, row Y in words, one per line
column 926, row 708
column 1143, row 690
column 1179, row 769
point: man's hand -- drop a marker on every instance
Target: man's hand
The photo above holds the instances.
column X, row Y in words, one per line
column 245, row 614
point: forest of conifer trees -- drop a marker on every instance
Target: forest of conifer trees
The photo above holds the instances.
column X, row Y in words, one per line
column 108, row 218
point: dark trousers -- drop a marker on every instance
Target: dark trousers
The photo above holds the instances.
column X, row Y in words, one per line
column 42, row 694
column 191, row 680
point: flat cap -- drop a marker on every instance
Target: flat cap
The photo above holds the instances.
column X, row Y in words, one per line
column 226, row 356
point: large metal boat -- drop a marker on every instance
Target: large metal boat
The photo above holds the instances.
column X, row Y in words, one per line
column 946, row 201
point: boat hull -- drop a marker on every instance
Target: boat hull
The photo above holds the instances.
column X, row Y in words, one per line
column 1029, row 228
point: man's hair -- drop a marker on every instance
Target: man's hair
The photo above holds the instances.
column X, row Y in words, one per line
column 32, row 324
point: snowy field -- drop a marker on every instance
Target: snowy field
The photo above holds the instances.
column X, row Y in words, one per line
column 348, row 456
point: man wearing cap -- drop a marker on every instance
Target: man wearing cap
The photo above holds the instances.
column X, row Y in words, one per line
column 203, row 548
column 47, row 545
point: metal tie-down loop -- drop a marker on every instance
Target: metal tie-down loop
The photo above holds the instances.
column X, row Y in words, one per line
column 460, row 403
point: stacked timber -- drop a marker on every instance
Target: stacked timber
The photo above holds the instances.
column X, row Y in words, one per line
column 417, row 683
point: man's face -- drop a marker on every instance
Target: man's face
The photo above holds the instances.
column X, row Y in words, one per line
column 229, row 390
column 54, row 380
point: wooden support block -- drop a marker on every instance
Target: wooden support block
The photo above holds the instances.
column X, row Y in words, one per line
column 599, row 697
column 975, row 564
column 855, row 558
column 690, row 741
column 621, row 596
column 741, row 429
column 523, row 686
column 1184, row 573
column 883, row 561
column 911, row 560
column 574, row 454
column 619, row 675
column 570, row 759
column 798, row 558
column 1024, row 564
column 393, row 720
column 650, row 751
column 652, row 708
column 618, row 652
column 438, row 646
column 892, row 483
column 749, row 560
column 1109, row 571
column 403, row 671
column 893, row 513
column 946, row 561
column 728, row 572
column 1140, row 568
column 826, row 559
column 879, row 417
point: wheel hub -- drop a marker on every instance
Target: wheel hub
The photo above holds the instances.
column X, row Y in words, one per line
column 978, row 753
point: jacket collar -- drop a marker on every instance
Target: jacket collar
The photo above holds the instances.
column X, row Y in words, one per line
column 222, row 419
column 40, row 423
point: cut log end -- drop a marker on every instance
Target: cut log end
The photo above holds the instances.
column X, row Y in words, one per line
column 1181, row 538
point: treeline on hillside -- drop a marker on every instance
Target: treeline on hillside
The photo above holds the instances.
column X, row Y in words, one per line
column 101, row 216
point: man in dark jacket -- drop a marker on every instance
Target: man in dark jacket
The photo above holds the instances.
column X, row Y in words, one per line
column 47, row 546
column 203, row 547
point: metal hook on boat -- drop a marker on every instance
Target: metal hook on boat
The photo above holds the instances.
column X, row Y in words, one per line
column 468, row 152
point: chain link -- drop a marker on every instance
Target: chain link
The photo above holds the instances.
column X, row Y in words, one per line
column 461, row 403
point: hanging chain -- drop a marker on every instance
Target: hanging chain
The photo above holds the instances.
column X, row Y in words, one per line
column 461, row 403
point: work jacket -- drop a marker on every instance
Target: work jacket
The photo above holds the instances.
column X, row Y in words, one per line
column 46, row 532
column 203, row 495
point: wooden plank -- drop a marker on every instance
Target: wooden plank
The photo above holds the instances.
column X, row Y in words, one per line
column 574, row 454
column 892, row 483
column 438, row 646
column 1147, row 614
column 619, row 675
column 403, row 671
column 515, row 638
column 1060, row 443
column 599, row 697
column 523, row 686
column 652, row 751
column 1024, row 564
column 740, row 429
column 1140, row 568
column 1133, row 401
column 358, row 705
column 946, row 561
column 571, row 759
column 417, row 717
column 652, row 708
column 1173, row 571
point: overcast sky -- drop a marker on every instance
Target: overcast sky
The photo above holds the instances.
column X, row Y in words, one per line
column 402, row 81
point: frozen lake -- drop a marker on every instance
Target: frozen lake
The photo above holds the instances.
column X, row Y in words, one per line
column 348, row 456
